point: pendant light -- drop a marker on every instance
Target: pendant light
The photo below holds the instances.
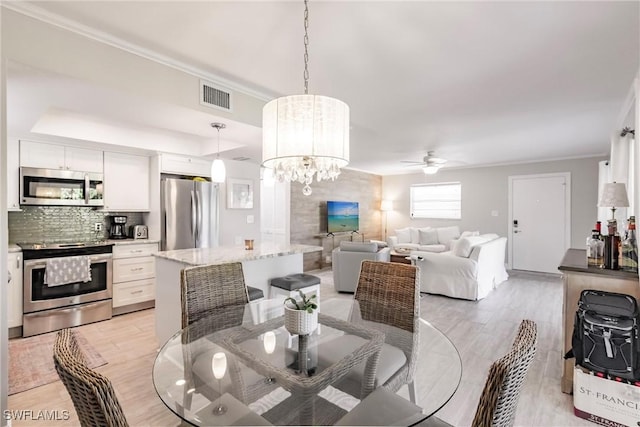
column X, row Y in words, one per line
column 218, row 171
column 305, row 135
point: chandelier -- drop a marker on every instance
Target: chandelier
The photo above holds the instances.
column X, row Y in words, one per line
column 305, row 135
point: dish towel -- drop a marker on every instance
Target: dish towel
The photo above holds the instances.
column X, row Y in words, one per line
column 65, row 270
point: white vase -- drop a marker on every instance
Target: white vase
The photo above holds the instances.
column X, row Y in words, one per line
column 300, row 322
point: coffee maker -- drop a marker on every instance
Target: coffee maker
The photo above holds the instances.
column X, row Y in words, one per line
column 117, row 229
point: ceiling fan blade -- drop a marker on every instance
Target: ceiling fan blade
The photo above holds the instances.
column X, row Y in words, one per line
column 412, row 162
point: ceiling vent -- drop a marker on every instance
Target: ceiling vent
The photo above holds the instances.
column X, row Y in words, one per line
column 241, row 158
column 216, row 96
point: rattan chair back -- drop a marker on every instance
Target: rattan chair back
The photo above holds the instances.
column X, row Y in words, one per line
column 499, row 398
column 206, row 287
column 388, row 293
column 92, row 394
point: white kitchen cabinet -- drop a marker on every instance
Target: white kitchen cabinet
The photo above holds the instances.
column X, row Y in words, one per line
column 126, row 182
column 13, row 175
column 183, row 165
column 14, row 303
column 134, row 280
column 53, row 156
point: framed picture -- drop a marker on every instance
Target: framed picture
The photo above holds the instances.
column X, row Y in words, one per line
column 239, row 193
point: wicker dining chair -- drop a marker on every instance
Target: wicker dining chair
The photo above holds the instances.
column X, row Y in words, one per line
column 206, row 287
column 215, row 296
column 388, row 294
column 499, row 398
column 92, row 394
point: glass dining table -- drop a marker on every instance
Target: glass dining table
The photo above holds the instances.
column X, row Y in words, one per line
column 240, row 366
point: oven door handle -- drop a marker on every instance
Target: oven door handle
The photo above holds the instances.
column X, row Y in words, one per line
column 48, row 313
column 42, row 262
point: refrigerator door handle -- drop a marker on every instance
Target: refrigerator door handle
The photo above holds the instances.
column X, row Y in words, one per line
column 198, row 218
column 193, row 215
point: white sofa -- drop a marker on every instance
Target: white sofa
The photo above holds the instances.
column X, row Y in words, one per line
column 424, row 239
column 346, row 261
column 471, row 270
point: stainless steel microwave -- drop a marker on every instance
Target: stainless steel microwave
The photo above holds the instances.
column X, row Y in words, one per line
column 60, row 187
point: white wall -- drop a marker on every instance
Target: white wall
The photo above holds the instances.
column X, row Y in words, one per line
column 486, row 189
column 234, row 227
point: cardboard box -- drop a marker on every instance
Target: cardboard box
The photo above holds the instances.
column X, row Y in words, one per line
column 604, row 401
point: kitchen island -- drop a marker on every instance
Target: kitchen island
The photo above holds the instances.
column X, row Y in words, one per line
column 266, row 261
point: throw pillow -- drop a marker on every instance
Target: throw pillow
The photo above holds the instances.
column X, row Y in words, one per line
column 446, row 234
column 466, row 244
column 428, row 236
column 415, row 234
column 403, row 235
column 453, row 244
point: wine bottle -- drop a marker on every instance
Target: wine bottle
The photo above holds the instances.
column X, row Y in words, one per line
column 629, row 248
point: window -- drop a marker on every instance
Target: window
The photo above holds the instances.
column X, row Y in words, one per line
column 442, row 200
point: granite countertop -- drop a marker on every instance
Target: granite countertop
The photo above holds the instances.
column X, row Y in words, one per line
column 576, row 260
column 14, row 248
column 226, row 254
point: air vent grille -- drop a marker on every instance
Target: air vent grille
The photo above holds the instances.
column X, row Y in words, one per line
column 241, row 158
column 213, row 95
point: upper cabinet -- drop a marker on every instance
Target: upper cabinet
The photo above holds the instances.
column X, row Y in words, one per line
column 126, row 182
column 51, row 156
column 182, row 165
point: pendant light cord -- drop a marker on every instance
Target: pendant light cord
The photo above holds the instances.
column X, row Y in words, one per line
column 218, row 126
column 306, row 48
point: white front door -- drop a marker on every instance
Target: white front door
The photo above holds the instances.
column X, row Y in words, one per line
column 539, row 221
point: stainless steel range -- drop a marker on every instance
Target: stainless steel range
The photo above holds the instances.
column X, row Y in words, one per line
column 50, row 307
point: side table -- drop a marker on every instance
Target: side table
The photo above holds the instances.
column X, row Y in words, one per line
column 402, row 258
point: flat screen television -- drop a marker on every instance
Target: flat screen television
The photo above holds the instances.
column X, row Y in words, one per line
column 342, row 216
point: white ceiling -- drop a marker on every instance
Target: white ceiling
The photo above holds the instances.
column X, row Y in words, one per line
column 479, row 82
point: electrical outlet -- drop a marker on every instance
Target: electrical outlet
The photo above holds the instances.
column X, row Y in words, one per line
column 97, row 226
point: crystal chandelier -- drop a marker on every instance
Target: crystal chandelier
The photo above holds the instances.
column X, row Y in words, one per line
column 305, row 135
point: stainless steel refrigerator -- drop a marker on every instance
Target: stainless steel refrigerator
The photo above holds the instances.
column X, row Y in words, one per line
column 189, row 214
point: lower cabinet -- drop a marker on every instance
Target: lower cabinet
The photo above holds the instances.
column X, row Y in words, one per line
column 14, row 303
column 134, row 282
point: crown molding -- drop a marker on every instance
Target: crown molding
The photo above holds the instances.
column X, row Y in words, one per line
column 40, row 14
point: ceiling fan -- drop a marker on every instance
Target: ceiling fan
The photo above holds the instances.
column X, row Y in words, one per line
column 430, row 163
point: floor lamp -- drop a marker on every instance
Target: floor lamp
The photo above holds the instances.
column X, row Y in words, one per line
column 386, row 206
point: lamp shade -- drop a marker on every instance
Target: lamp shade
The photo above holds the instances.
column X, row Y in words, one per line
column 305, row 135
column 218, row 171
column 386, row 205
column 614, row 195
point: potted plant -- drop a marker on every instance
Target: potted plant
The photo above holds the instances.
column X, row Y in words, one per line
column 301, row 316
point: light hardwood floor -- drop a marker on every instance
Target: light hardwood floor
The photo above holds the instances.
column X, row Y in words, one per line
column 482, row 332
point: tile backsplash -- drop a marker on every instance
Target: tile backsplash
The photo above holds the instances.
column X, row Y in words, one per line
column 47, row 224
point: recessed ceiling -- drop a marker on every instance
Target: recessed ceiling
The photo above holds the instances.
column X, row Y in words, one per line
column 479, row 82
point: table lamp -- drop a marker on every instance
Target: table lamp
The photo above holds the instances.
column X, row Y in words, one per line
column 614, row 195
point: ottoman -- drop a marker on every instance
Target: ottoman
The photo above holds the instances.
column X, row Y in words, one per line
column 288, row 286
column 254, row 293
